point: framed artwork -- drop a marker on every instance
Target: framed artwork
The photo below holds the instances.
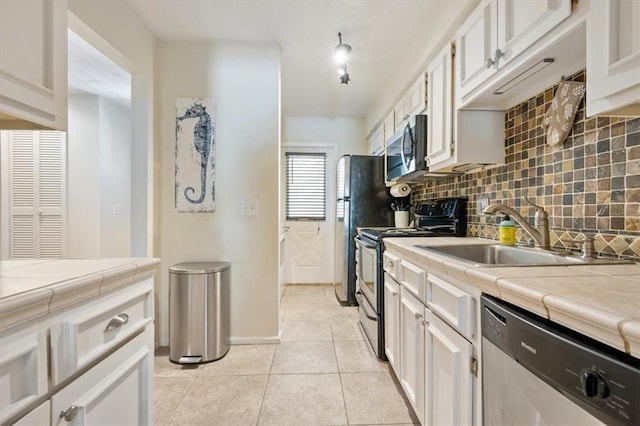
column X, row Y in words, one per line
column 195, row 155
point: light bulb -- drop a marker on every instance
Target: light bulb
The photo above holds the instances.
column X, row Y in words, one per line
column 342, row 53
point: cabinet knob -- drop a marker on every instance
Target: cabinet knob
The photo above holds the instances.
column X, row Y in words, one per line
column 418, row 315
column 69, row 414
column 390, row 264
column 489, row 62
column 394, row 293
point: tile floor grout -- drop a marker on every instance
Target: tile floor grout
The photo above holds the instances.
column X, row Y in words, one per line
column 297, row 392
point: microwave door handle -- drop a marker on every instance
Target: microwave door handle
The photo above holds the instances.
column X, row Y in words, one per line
column 407, row 128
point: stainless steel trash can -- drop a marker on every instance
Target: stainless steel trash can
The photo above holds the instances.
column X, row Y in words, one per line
column 199, row 311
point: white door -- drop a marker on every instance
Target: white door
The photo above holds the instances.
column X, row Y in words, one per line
column 308, row 243
column 449, row 389
column 36, row 182
column 412, row 351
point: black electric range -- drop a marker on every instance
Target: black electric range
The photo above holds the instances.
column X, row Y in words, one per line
column 434, row 218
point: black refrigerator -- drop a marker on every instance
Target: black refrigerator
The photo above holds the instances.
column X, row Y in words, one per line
column 362, row 201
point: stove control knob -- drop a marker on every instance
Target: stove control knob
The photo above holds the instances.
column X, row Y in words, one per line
column 594, row 385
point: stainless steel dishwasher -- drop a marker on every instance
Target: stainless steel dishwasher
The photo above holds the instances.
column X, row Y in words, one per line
column 536, row 372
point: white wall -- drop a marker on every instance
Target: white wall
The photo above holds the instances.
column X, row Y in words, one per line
column 244, row 80
column 118, row 32
column 83, row 176
column 99, row 178
column 347, row 133
column 115, row 179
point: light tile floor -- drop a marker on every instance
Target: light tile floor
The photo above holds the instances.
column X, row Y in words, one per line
column 322, row 373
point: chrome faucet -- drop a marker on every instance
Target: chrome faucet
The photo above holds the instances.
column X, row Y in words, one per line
column 540, row 233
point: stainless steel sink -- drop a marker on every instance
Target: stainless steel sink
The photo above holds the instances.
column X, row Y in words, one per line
column 496, row 255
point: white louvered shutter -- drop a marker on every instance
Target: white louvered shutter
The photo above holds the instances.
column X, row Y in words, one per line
column 37, row 194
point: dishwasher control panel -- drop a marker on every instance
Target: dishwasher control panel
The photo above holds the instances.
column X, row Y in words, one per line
column 604, row 381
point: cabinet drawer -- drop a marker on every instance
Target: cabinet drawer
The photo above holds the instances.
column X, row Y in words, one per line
column 116, row 391
column 451, row 304
column 91, row 333
column 23, row 373
column 413, row 279
column 391, row 265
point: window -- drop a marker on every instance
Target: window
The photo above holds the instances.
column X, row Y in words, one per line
column 306, row 186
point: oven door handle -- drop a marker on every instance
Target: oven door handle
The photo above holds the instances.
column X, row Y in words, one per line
column 361, row 303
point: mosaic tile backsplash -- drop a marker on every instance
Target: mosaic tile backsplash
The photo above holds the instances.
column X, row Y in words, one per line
column 589, row 186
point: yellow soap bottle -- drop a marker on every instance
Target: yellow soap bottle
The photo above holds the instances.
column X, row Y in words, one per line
column 507, row 231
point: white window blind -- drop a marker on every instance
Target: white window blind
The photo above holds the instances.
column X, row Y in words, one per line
column 306, row 186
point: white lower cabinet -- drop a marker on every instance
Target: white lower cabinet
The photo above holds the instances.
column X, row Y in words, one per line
column 37, row 417
column 412, row 350
column 432, row 352
column 392, row 322
column 117, row 391
column 449, row 373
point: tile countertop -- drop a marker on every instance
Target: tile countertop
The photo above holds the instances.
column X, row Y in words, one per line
column 600, row 301
column 35, row 287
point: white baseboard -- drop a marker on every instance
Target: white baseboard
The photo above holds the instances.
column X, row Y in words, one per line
column 258, row 340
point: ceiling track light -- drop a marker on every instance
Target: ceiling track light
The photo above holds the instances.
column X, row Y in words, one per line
column 341, row 54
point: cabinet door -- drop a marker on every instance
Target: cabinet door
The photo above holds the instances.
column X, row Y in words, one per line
column 400, row 114
column 449, row 389
column 37, row 417
column 416, row 96
column 33, row 63
column 376, row 142
column 522, row 23
column 412, row 351
column 23, row 373
column 392, row 322
column 613, row 57
column 439, row 145
column 476, row 43
column 389, row 126
column 117, row 391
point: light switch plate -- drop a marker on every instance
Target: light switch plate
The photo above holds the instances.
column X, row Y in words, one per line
column 481, row 204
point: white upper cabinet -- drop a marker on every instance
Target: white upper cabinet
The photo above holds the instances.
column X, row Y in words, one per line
column 613, row 58
column 412, row 102
column 458, row 140
column 389, row 125
column 33, row 64
column 439, row 128
column 497, row 31
column 376, row 141
column 476, row 42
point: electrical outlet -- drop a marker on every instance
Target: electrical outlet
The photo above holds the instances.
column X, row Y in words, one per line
column 481, row 204
column 249, row 207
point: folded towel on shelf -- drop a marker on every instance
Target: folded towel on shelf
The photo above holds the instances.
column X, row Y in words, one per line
column 558, row 120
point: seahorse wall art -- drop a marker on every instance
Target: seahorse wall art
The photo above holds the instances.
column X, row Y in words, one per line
column 195, row 155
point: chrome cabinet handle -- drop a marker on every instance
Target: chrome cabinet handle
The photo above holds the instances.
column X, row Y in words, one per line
column 117, row 321
column 489, row 62
column 390, row 264
column 425, row 322
column 418, row 315
column 494, row 61
column 394, row 293
column 69, row 414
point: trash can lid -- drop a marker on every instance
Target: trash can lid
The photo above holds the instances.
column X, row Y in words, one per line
column 199, row 267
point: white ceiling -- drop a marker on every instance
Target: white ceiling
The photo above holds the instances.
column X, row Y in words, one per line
column 390, row 40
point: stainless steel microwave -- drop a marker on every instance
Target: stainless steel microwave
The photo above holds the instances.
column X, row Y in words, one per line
column 406, row 150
